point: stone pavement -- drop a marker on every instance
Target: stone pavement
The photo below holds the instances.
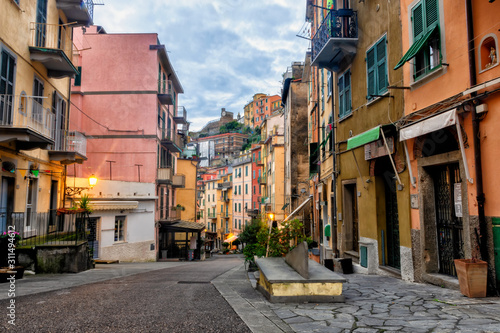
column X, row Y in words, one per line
column 373, row 304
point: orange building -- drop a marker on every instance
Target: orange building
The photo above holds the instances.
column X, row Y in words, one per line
column 451, row 90
column 263, row 106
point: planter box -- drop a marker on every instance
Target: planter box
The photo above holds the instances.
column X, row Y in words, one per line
column 472, row 277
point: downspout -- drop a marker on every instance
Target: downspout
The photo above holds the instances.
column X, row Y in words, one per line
column 334, row 171
column 480, row 197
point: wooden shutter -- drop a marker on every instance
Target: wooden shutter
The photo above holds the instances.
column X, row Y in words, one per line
column 417, row 17
column 431, row 13
column 381, row 66
column 341, row 97
column 347, row 91
column 370, row 67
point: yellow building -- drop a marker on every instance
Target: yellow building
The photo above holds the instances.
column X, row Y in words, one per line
column 224, row 204
column 186, row 195
column 249, row 110
column 35, row 145
column 273, row 171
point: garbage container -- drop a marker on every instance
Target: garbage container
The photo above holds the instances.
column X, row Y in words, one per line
column 329, row 264
column 346, row 264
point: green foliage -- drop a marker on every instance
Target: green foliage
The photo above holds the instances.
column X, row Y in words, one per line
column 225, row 244
column 84, row 203
column 231, row 127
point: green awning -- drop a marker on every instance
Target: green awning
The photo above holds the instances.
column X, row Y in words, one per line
column 328, row 232
column 416, row 47
column 363, row 138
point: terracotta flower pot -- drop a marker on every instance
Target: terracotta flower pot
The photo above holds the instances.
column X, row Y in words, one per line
column 472, row 277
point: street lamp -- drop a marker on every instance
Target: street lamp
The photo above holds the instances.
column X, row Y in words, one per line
column 76, row 190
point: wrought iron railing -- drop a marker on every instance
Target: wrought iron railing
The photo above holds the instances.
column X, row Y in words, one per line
column 165, row 87
column 70, row 141
column 52, row 36
column 27, row 112
column 342, row 23
column 50, row 228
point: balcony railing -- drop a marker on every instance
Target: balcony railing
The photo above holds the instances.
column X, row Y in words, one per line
column 51, row 44
column 224, row 185
column 179, row 181
column 27, row 112
column 262, row 180
column 166, row 93
column 70, row 147
column 335, row 39
column 79, row 11
column 180, row 116
column 172, row 141
column 49, row 228
column 164, row 175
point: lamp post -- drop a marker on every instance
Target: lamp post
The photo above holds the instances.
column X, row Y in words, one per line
column 76, row 190
column 271, row 225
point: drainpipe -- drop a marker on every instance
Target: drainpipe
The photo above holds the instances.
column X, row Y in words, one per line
column 334, row 172
column 480, row 197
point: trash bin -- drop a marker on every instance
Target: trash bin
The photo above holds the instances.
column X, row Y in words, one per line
column 329, row 264
column 164, row 254
column 346, row 264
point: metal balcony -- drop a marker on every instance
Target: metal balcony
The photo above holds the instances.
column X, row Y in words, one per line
column 172, row 141
column 164, row 176
column 81, row 12
column 179, row 181
column 334, row 44
column 180, row 116
column 262, row 180
column 27, row 121
column 70, row 147
column 224, row 185
column 51, row 45
column 166, row 94
column 260, row 162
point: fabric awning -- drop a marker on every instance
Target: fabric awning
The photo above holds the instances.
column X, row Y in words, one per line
column 416, row 47
column 114, row 205
column 429, row 125
column 363, row 138
column 328, row 231
column 432, row 124
column 231, row 239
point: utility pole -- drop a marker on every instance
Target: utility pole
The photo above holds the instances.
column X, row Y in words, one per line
column 110, row 169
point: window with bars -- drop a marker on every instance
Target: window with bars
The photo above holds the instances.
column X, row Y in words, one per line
column 376, row 68
column 120, row 228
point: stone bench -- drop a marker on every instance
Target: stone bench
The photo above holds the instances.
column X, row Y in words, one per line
column 298, row 281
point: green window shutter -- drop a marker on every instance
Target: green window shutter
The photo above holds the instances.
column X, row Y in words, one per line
column 417, row 17
column 381, row 66
column 431, row 13
column 370, row 67
column 78, row 78
column 347, row 92
column 341, row 97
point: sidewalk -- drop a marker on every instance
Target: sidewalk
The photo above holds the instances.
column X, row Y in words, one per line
column 373, row 304
column 33, row 284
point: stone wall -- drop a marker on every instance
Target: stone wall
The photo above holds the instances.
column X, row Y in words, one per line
column 139, row 251
column 62, row 259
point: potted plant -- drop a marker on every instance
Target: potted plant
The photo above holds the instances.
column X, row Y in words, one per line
column 472, row 276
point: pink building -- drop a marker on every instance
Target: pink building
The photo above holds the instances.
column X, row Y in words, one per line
column 125, row 101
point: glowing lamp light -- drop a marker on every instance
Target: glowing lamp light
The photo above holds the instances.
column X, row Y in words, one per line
column 271, row 216
column 92, row 181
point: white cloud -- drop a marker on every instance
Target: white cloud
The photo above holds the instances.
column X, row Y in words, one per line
column 224, row 51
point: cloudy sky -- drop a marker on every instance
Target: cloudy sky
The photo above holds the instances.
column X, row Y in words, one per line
column 224, row 51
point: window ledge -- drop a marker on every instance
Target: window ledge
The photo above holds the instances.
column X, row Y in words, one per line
column 376, row 99
column 428, row 77
column 120, row 242
column 487, row 69
column 345, row 117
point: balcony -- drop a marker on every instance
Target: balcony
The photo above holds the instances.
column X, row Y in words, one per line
column 334, row 44
column 164, row 175
column 166, row 94
column 51, row 45
column 263, row 180
column 172, row 141
column 179, row 181
column 252, row 212
column 224, row 198
column 225, row 215
column 180, row 116
column 265, row 200
column 79, row 11
column 212, row 216
column 72, row 150
column 224, row 185
column 27, row 121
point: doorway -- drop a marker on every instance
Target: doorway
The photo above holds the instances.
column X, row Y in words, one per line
column 6, row 202
column 449, row 224
column 351, row 220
